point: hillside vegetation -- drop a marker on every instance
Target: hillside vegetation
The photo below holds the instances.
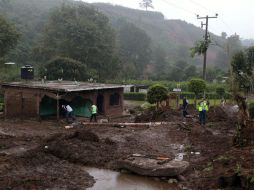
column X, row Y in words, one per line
column 141, row 44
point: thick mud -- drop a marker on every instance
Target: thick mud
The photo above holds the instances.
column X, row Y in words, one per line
column 45, row 155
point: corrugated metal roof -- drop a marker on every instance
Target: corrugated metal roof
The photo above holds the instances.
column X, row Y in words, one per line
column 65, row 86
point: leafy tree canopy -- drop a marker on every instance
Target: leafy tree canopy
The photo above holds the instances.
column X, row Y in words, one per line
column 65, row 68
column 80, row 33
column 242, row 65
column 196, row 86
column 156, row 94
column 200, row 47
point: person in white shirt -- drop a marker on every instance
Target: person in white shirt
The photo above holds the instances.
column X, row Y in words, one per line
column 68, row 112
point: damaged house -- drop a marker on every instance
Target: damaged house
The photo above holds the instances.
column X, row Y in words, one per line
column 28, row 99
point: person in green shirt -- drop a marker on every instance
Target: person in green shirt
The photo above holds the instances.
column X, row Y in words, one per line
column 94, row 113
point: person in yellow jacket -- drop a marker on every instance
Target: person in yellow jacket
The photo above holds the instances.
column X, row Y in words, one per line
column 94, row 113
column 202, row 108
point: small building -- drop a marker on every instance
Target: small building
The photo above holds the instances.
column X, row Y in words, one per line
column 28, row 99
column 135, row 88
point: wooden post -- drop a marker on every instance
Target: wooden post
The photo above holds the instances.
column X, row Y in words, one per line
column 57, row 107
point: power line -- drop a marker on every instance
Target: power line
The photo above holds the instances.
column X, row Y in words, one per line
column 205, row 8
column 179, row 7
column 202, row 6
column 206, row 39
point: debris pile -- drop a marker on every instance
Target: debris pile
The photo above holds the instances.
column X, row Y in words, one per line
column 162, row 114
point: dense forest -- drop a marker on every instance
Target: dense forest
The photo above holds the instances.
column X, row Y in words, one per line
column 101, row 41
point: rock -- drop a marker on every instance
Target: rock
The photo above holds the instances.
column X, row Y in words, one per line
column 181, row 186
column 150, row 167
column 103, row 121
column 171, row 181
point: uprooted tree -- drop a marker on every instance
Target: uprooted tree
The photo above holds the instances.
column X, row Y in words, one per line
column 156, row 94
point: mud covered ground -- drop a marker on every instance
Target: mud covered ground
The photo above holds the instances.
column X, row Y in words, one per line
column 45, row 155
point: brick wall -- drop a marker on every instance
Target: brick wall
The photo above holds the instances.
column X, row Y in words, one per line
column 115, row 109
column 20, row 103
column 24, row 103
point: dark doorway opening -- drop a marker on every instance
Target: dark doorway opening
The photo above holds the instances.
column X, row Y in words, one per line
column 100, row 104
column 48, row 107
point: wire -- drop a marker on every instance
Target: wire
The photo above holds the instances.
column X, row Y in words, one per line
column 226, row 25
column 179, row 7
column 202, row 6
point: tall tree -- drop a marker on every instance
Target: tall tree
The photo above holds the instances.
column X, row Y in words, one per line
column 233, row 45
column 134, row 47
column 80, row 33
column 8, row 36
column 146, row 4
column 242, row 66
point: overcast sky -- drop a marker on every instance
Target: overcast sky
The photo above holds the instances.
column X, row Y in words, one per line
column 234, row 16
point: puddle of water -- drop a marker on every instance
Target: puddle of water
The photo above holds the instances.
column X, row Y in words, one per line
column 110, row 180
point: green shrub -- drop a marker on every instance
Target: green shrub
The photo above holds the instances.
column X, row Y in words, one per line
column 156, row 94
column 191, row 95
column 147, row 105
column 139, row 96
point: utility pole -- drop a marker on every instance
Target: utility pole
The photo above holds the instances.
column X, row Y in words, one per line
column 206, row 39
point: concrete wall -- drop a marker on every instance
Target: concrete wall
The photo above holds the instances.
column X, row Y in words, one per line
column 25, row 102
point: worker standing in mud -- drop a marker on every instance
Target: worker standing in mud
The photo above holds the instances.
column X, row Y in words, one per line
column 94, row 113
column 68, row 113
column 202, row 108
column 185, row 106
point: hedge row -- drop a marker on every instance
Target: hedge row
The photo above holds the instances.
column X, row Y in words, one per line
column 210, row 87
column 190, row 95
column 135, row 96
